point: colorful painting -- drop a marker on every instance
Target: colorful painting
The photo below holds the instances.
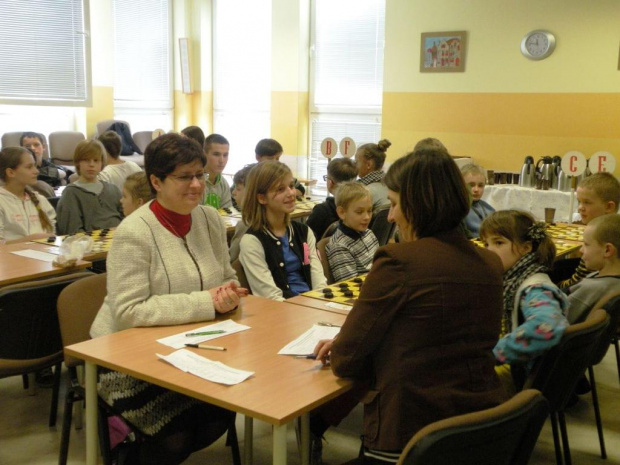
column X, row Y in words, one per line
column 443, row 52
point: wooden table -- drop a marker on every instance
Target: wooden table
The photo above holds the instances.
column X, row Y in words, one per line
column 282, row 389
column 318, row 304
column 17, row 269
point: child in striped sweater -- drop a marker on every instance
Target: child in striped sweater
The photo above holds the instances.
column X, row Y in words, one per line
column 352, row 247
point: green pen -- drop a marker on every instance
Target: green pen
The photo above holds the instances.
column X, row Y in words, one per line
column 206, row 333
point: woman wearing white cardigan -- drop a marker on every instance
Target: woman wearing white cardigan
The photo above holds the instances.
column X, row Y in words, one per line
column 168, row 265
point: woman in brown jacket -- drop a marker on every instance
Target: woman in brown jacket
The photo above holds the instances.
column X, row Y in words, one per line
column 421, row 333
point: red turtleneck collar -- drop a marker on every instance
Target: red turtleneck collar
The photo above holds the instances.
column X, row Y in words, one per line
column 177, row 224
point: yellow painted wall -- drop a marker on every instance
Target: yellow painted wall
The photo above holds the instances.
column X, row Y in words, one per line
column 289, row 74
column 504, row 106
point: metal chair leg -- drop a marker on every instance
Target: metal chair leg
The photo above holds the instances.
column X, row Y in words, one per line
column 597, row 413
column 566, row 447
column 556, row 439
column 614, row 341
column 66, row 427
column 55, row 391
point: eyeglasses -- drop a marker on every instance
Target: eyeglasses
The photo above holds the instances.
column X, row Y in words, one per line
column 325, row 177
column 188, row 178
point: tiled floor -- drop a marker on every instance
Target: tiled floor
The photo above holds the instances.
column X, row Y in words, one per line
column 26, row 439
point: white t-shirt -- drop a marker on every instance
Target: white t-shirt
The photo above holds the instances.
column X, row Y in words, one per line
column 116, row 174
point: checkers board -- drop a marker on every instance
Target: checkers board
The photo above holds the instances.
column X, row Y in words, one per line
column 102, row 240
column 566, row 232
column 344, row 292
column 230, row 212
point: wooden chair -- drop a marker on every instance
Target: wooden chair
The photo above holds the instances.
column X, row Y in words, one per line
column 557, row 371
column 321, row 249
column 611, row 304
column 29, row 332
column 331, row 229
column 76, row 315
column 381, row 227
column 241, row 277
column 505, row 434
column 78, row 305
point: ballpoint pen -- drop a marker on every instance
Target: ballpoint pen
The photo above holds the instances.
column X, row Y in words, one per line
column 309, row 356
column 326, row 323
column 205, row 333
column 203, row 346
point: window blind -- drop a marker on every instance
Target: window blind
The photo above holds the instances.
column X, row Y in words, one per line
column 142, row 54
column 346, row 71
column 43, row 51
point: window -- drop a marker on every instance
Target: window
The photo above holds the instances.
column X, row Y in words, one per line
column 242, row 76
column 44, row 49
column 346, row 72
column 143, row 63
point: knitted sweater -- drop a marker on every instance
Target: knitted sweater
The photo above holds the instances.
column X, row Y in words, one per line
column 152, row 278
column 350, row 253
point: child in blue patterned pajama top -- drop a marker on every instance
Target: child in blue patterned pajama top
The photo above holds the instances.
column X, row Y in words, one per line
column 533, row 315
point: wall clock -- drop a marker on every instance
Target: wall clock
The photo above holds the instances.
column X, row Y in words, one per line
column 537, row 45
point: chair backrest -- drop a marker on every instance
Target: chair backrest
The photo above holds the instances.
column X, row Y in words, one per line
column 53, row 201
column 11, row 139
column 505, row 434
column 381, row 227
column 62, row 146
column 103, row 126
column 78, row 305
column 611, row 304
column 243, row 280
column 331, row 229
column 321, row 249
column 142, row 139
column 557, row 371
column 28, row 320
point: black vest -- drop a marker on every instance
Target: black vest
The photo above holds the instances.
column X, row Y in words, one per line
column 298, row 235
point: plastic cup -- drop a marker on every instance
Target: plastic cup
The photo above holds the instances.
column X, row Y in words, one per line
column 549, row 215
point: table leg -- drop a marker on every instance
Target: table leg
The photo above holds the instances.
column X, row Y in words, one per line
column 91, row 413
column 305, row 439
column 279, row 445
column 248, row 440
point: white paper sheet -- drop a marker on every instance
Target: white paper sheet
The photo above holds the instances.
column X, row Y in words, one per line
column 36, row 254
column 178, row 341
column 202, row 367
column 305, row 344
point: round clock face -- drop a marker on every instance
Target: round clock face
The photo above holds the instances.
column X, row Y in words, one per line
column 537, row 45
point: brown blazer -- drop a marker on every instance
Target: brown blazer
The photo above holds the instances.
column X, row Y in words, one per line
column 421, row 333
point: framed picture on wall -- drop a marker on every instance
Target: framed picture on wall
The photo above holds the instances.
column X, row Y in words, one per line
column 443, row 52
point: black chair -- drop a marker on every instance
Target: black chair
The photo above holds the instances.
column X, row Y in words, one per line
column 29, row 332
column 381, row 227
column 611, row 304
column 505, row 434
column 557, row 371
column 53, row 201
